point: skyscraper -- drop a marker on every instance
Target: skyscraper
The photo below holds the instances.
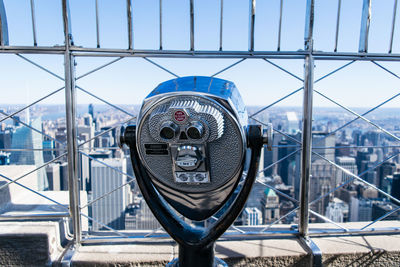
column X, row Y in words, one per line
column 270, row 206
column 109, row 210
column 25, row 138
column 347, row 163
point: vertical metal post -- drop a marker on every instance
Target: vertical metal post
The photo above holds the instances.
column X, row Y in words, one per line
column 280, row 26
column 160, row 24
column 307, row 121
column 3, row 25
column 221, row 21
column 70, row 108
column 393, row 26
column 252, row 20
column 364, row 29
column 191, row 25
column 337, row 24
column 129, row 22
column 97, row 24
column 33, row 22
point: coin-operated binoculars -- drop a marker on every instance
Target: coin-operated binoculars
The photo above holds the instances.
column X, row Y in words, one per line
column 188, row 149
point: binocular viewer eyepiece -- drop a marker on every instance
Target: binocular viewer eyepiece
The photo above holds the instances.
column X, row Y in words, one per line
column 189, row 147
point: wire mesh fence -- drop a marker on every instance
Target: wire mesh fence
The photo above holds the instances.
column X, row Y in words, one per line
column 315, row 172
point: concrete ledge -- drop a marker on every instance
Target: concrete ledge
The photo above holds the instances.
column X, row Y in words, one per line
column 30, row 243
column 39, row 244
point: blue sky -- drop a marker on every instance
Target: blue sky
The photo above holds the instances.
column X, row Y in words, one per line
column 131, row 79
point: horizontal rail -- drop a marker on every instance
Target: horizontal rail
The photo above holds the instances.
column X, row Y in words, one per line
column 110, row 52
column 41, row 216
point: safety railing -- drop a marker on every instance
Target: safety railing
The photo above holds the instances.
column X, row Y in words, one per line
column 302, row 146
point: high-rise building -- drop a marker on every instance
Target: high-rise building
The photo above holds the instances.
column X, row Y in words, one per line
column 292, row 122
column 64, row 176
column 4, row 158
column 53, row 176
column 323, row 178
column 91, row 110
column 5, row 138
column 270, row 206
column 396, row 186
column 25, row 138
column 48, row 153
column 360, row 209
column 251, row 216
column 337, row 211
column 109, row 210
column 323, row 143
column 347, row 163
column 384, row 170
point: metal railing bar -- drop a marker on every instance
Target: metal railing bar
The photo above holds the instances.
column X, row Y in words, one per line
column 227, row 68
column 99, row 68
column 356, row 114
column 288, row 136
column 334, row 71
column 301, row 88
column 35, row 192
column 364, row 29
column 32, row 128
column 101, row 148
column 40, row 67
column 32, row 171
column 117, row 52
column 153, row 231
column 97, row 23
column 280, row 26
column 352, row 179
column 34, row 216
column 381, row 218
column 365, row 113
column 338, row 24
column 31, row 104
column 252, row 19
column 274, row 103
column 326, row 219
column 32, row 149
column 105, row 164
column 338, row 147
column 393, row 26
column 280, row 160
column 284, row 70
column 129, row 23
column 221, row 21
column 160, row 25
column 309, row 26
column 161, row 67
column 33, row 22
column 70, row 118
column 278, row 220
column 281, row 146
column 357, row 177
column 191, row 25
column 232, row 226
column 106, row 194
column 277, row 191
column 382, row 67
column 102, row 224
column 104, row 101
column 3, row 26
column 104, row 132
